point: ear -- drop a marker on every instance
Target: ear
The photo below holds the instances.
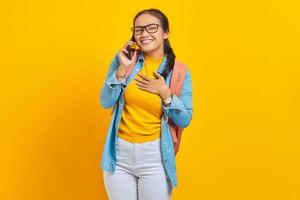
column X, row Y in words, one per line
column 166, row 35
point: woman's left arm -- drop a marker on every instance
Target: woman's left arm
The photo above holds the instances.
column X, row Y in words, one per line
column 181, row 108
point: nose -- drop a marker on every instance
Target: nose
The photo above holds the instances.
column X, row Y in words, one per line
column 144, row 32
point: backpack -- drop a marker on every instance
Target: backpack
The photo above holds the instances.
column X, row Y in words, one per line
column 176, row 84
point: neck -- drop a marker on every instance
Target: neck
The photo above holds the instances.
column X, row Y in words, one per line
column 156, row 54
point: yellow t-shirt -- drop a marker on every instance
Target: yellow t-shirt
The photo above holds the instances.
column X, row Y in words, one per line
column 141, row 116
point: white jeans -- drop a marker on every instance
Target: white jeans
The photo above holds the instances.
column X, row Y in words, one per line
column 139, row 173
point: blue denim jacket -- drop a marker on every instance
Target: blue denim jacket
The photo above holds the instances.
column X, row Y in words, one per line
column 180, row 110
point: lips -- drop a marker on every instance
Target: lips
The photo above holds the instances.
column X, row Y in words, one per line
column 146, row 41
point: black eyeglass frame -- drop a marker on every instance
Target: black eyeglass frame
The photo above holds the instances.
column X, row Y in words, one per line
column 144, row 27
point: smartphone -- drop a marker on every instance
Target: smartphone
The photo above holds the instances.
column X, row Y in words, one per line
column 131, row 48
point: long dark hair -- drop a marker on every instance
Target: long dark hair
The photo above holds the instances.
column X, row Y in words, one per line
column 167, row 46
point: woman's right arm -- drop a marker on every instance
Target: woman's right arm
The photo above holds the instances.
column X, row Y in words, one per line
column 112, row 87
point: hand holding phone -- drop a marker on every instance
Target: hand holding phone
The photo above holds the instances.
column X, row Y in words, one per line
column 127, row 55
column 131, row 48
column 130, row 51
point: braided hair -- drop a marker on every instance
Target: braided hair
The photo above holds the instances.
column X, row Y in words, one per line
column 167, row 46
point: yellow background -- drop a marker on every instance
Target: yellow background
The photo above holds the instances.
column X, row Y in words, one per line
column 243, row 141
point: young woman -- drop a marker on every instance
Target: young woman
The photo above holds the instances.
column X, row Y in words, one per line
column 138, row 159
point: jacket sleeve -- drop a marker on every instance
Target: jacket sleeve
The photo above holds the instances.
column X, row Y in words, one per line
column 111, row 88
column 181, row 107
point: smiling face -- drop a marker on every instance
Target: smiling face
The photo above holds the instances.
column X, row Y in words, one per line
column 150, row 43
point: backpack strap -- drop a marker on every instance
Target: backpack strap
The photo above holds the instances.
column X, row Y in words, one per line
column 176, row 85
column 178, row 77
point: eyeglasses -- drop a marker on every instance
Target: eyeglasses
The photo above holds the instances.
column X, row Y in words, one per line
column 150, row 28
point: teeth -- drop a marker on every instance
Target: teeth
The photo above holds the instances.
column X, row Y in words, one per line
column 146, row 41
